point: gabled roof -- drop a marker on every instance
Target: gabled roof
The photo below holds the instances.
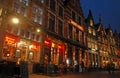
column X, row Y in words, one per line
column 90, row 17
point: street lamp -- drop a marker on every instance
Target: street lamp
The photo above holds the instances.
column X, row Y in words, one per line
column 15, row 20
column 38, row 30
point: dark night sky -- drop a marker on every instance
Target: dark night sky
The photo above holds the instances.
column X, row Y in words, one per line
column 108, row 10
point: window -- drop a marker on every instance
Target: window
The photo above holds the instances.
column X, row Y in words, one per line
column 23, row 11
column 79, row 20
column 27, row 34
column 73, row 16
column 37, row 14
column 32, row 36
column 31, row 55
column 60, row 11
column 91, row 22
column 77, row 34
column 60, row 27
column 52, row 5
column 15, row 30
column 38, row 38
column 94, row 33
column 22, row 32
column 89, row 30
column 52, row 23
column 9, row 28
column 16, row 7
column 70, row 31
column 19, row 8
column 42, row 1
column 81, row 36
column 25, row 2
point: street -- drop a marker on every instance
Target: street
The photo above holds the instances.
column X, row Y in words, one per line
column 102, row 74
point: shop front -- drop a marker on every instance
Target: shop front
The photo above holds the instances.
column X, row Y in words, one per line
column 53, row 51
column 20, row 49
column 9, row 46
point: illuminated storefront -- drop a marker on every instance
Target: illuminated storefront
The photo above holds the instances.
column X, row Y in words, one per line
column 53, row 51
column 21, row 49
column 10, row 43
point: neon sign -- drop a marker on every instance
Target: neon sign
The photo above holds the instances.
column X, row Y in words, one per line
column 47, row 42
column 9, row 40
column 77, row 25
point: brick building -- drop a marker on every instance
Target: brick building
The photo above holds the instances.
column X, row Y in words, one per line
column 52, row 31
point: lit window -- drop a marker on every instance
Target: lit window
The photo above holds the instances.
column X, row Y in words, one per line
column 16, row 7
column 25, row 2
column 91, row 23
column 37, row 14
column 94, row 33
column 42, row 1
column 89, row 30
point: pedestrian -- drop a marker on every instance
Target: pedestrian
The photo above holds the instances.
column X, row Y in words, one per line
column 108, row 67
column 82, row 66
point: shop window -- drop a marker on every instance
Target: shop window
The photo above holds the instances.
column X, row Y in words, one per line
column 30, row 55
column 17, row 53
column 70, row 54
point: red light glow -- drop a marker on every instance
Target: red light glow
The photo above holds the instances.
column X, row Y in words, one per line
column 61, row 47
column 9, row 40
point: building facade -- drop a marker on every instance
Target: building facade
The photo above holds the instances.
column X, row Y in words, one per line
column 92, row 42
column 53, row 31
column 21, row 23
column 64, row 39
column 43, row 31
column 117, row 42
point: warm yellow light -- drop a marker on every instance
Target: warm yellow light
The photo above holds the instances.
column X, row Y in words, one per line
column 53, row 44
column 15, row 20
column 38, row 30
